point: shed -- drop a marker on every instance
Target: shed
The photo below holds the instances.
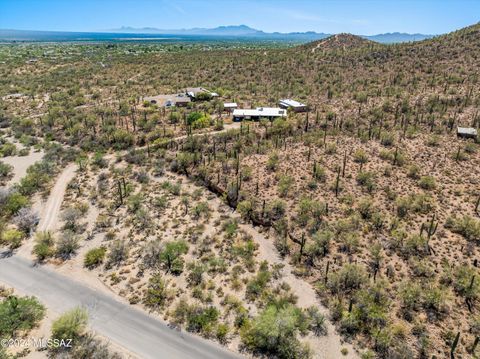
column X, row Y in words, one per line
column 294, row 105
column 229, row 106
column 467, row 132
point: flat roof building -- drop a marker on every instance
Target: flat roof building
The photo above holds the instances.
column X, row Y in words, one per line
column 259, row 112
column 229, row 106
column 178, row 100
column 295, row 105
column 467, row 132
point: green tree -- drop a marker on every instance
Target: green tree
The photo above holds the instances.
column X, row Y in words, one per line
column 274, row 332
column 171, row 256
column 19, row 314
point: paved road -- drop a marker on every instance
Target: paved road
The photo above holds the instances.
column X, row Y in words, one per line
column 140, row 333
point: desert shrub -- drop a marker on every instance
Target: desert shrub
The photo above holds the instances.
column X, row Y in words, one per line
column 360, row 156
column 230, row 227
column 246, row 173
column 257, row 285
column 410, row 295
column 366, row 208
column 67, row 245
column 371, row 307
column 8, row 149
column 70, row 325
column 274, row 332
column 201, row 209
column 415, row 245
column 319, row 173
column 470, row 148
column 195, row 274
column 331, row 149
column 6, row 171
column 71, row 216
column 156, row 294
column 11, row 238
column 276, row 210
column 202, row 319
column 284, row 185
column 413, row 172
column 319, row 245
column 387, row 139
column 349, row 278
column 316, row 321
column 310, row 213
column 161, row 202
column 466, row 226
column 417, row 203
column 433, row 141
column 435, row 297
column 135, row 202
column 366, row 180
column 349, row 242
column 12, row 202
column 26, row 219
column 99, row 161
column 272, row 162
column 245, row 208
column 427, row 182
column 465, row 282
column 44, row 245
column 118, row 252
column 94, row 257
column 222, row 333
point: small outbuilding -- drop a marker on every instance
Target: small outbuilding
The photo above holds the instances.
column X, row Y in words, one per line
column 467, row 132
column 294, row 105
column 229, row 106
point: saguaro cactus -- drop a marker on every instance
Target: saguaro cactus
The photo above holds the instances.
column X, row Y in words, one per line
column 454, row 346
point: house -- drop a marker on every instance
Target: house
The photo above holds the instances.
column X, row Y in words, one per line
column 294, row 105
column 195, row 93
column 229, row 106
column 178, row 100
column 467, row 132
column 258, row 113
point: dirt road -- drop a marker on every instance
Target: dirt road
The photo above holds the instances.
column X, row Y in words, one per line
column 50, row 211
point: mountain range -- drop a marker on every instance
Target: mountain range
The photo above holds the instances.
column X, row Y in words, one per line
column 246, row 31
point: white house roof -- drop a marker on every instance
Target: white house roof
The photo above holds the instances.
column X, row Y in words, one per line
column 291, row 103
column 230, row 104
column 261, row 112
column 272, row 111
column 467, row 131
column 245, row 112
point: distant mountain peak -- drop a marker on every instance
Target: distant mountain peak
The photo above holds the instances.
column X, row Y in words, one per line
column 338, row 41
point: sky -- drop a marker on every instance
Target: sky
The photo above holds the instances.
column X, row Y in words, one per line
column 362, row 17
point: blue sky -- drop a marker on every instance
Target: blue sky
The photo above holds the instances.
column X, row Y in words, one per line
column 364, row 17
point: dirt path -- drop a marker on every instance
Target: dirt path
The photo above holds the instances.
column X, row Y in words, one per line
column 50, row 211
